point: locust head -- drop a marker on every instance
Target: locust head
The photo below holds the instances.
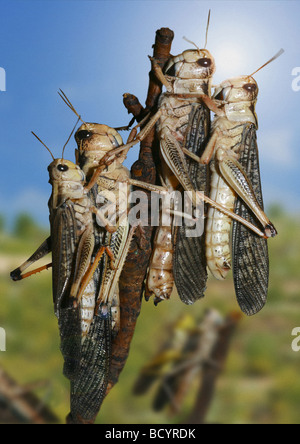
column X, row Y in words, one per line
column 242, row 88
column 191, row 72
column 240, row 95
column 237, row 89
column 97, row 137
column 67, row 180
column 94, row 140
column 192, row 64
column 63, row 170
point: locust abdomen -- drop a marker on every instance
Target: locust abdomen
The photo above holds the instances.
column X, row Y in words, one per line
column 218, row 227
column 87, row 307
column 160, row 276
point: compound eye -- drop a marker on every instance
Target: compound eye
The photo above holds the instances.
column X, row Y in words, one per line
column 62, row 167
column 251, row 87
column 83, row 134
column 204, row 62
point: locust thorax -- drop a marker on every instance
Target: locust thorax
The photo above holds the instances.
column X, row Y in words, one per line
column 191, row 72
column 67, row 180
column 240, row 95
column 94, row 140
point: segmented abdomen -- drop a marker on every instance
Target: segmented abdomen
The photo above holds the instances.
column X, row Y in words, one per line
column 160, row 276
column 218, row 227
column 87, row 307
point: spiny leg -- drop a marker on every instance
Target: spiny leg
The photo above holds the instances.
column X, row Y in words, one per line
column 160, row 75
column 43, row 250
column 235, row 176
column 133, row 133
column 83, row 259
column 203, row 197
column 91, row 270
column 107, row 300
column 231, row 214
column 31, row 273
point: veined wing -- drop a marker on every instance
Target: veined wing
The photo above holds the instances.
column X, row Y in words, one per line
column 189, row 263
column 64, row 241
column 88, row 388
column 116, row 242
column 250, row 258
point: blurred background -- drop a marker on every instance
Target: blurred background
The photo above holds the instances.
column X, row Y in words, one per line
column 95, row 51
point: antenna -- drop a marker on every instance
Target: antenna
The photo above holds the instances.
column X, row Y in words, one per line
column 281, row 51
column 43, row 144
column 189, row 41
column 207, row 26
column 69, row 104
column 62, row 156
column 206, row 34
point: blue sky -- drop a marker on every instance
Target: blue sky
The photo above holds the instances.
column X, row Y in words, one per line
column 97, row 50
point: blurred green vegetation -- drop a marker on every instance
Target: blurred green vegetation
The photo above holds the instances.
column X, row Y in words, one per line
column 260, row 383
column 25, row 226
column 2, row 223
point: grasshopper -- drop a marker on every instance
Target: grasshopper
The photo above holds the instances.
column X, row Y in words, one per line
column 102, row 188
column 71, row 239
column 184, row 121
column 181, row 115
column 183, row 126
column 94, row 141
column 235, row 182
column 94, row 289
column 72, row 244
column 180, row 360
column 85, row 324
